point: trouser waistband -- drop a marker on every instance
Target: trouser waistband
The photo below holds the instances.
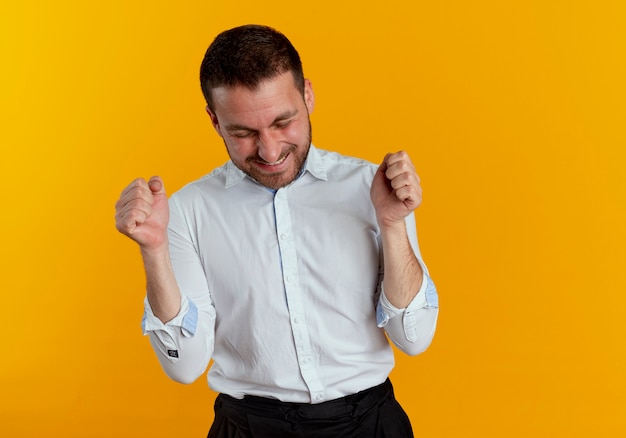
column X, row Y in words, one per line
column 354, row 404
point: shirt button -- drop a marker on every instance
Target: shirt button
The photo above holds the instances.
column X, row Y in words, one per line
column 318, row 397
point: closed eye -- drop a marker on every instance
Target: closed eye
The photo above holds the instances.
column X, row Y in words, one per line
column 283, row 124
column 242, row 134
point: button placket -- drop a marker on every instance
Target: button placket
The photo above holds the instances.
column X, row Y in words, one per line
column 294, row 295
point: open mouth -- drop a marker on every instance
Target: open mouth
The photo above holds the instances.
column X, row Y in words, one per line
column 275, row 163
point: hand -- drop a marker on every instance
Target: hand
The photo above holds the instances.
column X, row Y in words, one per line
column 142, row 213
column 395, row 190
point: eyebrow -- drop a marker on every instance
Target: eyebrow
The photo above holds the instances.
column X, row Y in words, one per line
column 279, row 118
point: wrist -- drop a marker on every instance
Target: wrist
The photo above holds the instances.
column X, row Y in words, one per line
column 156, row 250
column 391, row 225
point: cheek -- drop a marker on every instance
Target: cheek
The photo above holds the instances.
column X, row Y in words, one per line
column 296, row 133
column 240, row 149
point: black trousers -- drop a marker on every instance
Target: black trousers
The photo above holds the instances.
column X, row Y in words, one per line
column 373, row 413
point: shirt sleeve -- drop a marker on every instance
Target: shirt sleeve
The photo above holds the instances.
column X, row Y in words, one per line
column 411, row 329
column 183, row 345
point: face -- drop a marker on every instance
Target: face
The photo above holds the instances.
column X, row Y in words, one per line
column 267, row 131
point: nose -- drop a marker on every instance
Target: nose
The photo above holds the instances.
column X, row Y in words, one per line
column 269, row 147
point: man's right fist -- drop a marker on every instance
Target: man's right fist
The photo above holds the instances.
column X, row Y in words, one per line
column 142, row 213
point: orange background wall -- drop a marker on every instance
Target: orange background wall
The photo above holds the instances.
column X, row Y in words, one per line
column 514, row 113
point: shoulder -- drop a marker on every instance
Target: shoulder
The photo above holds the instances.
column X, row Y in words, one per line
column 337, row 164
column 346, row 160
column 212, row 182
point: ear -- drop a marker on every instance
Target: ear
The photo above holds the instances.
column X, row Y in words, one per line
column 214, row 121
column 309, row 96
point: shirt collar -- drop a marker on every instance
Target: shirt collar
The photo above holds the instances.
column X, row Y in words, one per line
column 233, row 174
column 314, row 164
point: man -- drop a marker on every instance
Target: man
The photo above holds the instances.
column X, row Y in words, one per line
column 287, row 265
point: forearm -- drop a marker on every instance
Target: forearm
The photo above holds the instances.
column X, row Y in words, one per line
column 162, row 290
column 403, row 273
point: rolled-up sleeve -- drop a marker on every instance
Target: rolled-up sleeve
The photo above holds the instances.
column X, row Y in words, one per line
column 182, row 345
column 411, row 329
column 184, row 324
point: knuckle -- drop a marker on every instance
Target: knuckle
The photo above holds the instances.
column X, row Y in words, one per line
column 145, row 193
column 138, row 182
column 403, row 166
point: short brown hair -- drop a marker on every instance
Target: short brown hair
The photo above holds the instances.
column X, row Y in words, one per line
column 247, row 55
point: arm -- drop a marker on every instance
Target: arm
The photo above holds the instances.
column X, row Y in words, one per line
column 180, row 334
column 142, row 213
column 408, row 300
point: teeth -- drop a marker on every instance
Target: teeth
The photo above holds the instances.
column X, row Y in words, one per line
column 275, row 163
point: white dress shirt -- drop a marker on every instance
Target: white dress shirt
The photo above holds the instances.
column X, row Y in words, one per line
column 282, row 288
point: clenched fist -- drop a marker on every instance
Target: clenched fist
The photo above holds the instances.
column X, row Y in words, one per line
column 142, row 213
column 395, row 190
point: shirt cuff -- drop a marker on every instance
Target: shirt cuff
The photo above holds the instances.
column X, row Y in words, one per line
column 425, row 297
column 186, row 320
